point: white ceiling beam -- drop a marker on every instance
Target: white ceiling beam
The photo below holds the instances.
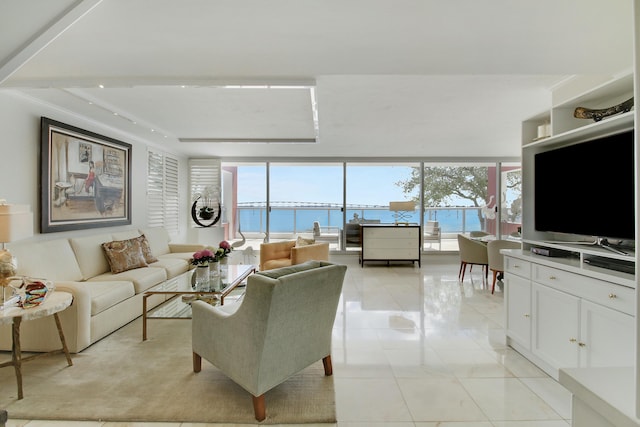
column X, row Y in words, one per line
column 45, row 36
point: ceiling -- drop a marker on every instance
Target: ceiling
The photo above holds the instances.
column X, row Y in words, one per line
column 310, row 78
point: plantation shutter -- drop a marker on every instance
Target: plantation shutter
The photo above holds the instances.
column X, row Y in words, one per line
column 204, row 173
column 162, row 192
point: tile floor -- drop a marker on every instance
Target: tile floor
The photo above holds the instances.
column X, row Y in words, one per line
column 413, row 347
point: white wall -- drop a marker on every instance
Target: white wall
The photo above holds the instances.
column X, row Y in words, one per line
column 20, row 163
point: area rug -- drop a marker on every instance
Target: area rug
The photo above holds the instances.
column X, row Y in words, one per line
column 122, row 378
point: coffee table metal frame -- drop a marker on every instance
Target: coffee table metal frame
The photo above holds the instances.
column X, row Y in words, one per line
column 181, row 285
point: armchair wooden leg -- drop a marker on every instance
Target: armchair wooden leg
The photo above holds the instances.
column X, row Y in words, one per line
column 328, row 368
column 259, row 408
column 197, row 362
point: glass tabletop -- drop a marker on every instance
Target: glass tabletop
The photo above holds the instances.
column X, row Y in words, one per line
column 181, row 292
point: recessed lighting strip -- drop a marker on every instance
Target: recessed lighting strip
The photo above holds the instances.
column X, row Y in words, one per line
column 252, row 140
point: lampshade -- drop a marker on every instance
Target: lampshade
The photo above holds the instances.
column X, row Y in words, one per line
column 402, row 206
column 16, row 222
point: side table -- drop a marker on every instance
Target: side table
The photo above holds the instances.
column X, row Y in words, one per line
column 55, row 303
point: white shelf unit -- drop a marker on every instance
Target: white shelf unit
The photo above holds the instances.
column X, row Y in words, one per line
column 560, row 115
column 576, row 321
column 532, row 237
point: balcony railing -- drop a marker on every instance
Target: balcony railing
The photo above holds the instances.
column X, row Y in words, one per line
column 291, row 219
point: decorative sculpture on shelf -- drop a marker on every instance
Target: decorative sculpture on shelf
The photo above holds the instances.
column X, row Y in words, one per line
column 206, row 208
column 599, row 114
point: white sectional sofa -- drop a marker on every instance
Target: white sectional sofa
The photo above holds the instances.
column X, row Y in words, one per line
column 103, row 301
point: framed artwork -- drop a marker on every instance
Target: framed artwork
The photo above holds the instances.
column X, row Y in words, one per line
column 85, row 179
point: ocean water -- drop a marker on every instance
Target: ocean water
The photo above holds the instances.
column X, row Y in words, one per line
column 300, row 219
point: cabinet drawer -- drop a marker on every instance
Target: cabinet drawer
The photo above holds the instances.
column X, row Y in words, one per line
column 390, row 233
column 517, row 266
column 600, row 292
column 390, row 244
column 386, row 254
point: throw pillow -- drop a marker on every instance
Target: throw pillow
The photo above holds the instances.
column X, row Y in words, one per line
column 146, row 250
column 124, row 255
column 301, row 241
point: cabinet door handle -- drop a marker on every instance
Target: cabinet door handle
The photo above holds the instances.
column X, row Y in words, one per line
column 552, row 277
column 613, row 296
column 527, row 315
column 581, row 344
column 572, row 340
column 516, row 266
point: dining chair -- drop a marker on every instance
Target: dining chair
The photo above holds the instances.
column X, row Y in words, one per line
column 478, row 233
column 496, row 259
column 472, row 252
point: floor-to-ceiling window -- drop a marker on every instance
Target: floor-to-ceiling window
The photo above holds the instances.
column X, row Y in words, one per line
column 305, row 199
column 370, row 190
column 251, row 200
column 511, row 200
column 326, row 200
column 457, row 198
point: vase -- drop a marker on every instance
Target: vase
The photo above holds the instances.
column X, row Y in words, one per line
column 214, row 275
column 224, row 267
column 202, row 277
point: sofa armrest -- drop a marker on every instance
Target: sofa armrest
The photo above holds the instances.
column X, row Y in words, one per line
column 316, row 251
column 75, row 317
column 185, row 247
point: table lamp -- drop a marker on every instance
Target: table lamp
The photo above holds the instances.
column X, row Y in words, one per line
column 16, row 222
column 402, row 210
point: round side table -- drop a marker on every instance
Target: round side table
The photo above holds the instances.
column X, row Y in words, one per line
column 55, row 303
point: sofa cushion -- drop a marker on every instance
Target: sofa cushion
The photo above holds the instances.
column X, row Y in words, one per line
column 158, row 239
column 105, row 295
column 90, row 256
column 124, row 255
column 173, row 266
column 142, row 278
column 52, row 260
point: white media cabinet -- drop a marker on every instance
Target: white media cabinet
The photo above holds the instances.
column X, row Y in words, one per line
column 574, row 320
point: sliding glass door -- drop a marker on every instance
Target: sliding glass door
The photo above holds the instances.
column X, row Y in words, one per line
column 372, row 191
column 305, row 199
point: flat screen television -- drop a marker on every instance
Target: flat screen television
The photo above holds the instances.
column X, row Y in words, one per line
column 587, row 188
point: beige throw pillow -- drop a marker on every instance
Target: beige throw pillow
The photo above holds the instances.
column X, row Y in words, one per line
column 146, row 250
column 124, row 255
column 301, row 241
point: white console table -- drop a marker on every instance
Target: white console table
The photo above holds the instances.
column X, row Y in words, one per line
column 390, row 242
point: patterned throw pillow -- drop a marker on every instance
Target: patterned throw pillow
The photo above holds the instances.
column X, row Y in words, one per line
column 124, row 255
column 146, row 250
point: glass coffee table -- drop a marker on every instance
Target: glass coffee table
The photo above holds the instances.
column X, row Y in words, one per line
column 179, row 293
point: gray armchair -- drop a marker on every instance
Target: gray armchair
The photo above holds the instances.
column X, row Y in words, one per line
column 282, row 326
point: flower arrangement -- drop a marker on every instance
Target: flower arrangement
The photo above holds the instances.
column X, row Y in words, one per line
column 203, row 257
column 222, row 251
column 226, row 248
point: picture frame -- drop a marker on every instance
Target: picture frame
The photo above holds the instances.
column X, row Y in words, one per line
column 85, row 179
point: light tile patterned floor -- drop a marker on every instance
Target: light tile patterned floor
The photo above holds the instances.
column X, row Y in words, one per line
column 413, row 347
